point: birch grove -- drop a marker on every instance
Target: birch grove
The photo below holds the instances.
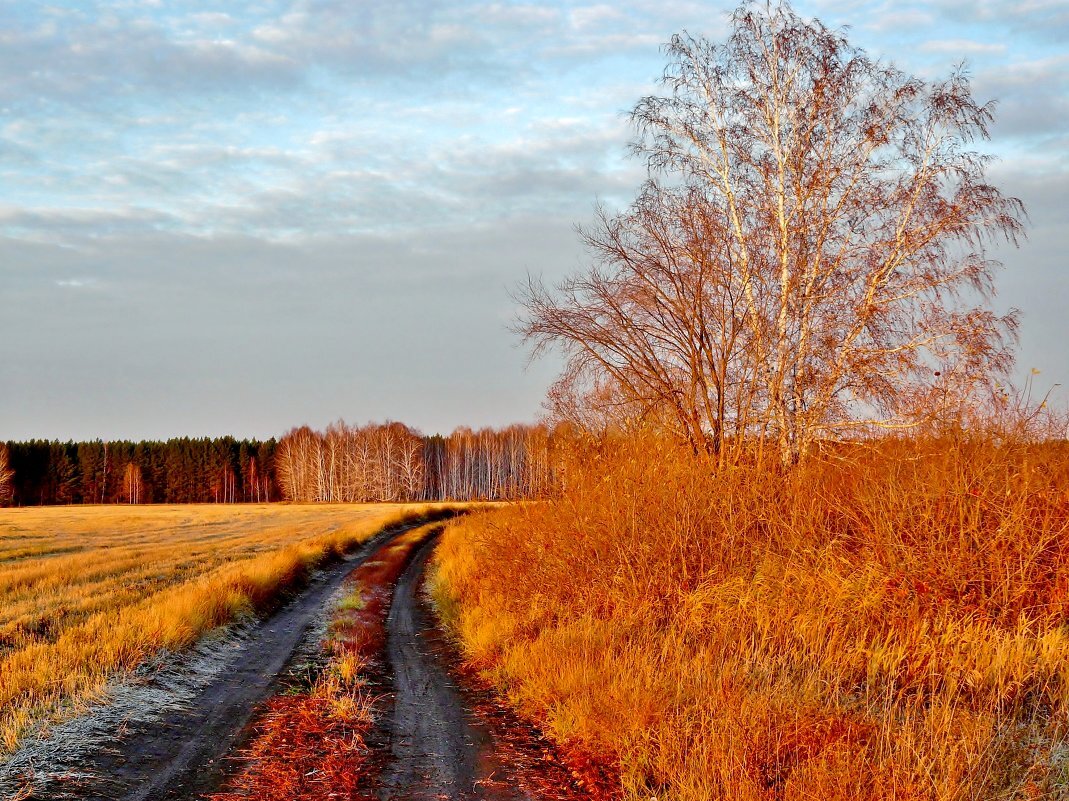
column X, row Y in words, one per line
column 391, row 462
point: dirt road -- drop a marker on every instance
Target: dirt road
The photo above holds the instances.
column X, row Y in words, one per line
column 437, row 736
column 439, row 747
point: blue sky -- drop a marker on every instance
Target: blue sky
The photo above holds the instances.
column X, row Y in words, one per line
column 240, row 217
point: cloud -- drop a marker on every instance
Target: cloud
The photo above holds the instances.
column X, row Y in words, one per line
column 961, row 47
column 1044, row 20
column 898, row 19
column 90, row 59
column 596, row 17
column 76, row 283
column 293, row 193
column 340, row 182
column 1032, row 96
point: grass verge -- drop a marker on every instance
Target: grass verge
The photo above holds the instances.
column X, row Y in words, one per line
column 885, row 622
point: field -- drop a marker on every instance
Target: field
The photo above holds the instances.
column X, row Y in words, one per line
column 89, row 592
column 882, row 622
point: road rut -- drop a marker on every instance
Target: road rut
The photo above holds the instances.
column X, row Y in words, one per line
column 439, row 748
column 175, row 747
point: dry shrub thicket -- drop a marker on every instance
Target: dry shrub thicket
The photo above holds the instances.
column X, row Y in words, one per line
column 884, row 621
column 88, row 593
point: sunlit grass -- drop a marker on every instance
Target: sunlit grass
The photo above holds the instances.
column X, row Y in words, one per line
column 881, row 623
column 89, row 592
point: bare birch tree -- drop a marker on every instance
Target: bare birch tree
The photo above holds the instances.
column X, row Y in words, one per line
column 411, row 471
column 810, row 256
column 296, row 462
column 132, row 482
column 6, row 475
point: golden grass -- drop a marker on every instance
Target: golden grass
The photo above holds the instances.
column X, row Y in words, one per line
column 89, row 592
column 884, row 623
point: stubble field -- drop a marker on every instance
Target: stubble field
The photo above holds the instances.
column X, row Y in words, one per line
column 89, row 592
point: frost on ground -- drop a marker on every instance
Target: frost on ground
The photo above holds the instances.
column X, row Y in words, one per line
column 309, row 656
column 63, row 760
column 54, row 760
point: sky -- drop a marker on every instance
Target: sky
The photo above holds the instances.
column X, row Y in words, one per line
column 236, row 218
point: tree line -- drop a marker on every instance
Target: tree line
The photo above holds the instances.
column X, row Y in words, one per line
column 343, row 463
column 180, row 470
column 391, row 462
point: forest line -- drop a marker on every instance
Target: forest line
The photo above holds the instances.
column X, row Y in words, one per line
column 342, row 463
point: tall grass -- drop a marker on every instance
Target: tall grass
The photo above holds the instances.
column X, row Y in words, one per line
column 885, row 622
column 90, row 592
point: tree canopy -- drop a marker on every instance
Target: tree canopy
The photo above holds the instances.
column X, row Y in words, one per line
column 810, row 256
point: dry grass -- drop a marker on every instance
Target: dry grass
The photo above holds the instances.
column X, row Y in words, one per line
column 884, row 623
column 89, row 592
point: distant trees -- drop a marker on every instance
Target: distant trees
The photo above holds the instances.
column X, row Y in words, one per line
column 257, row 483
column 346, row 464
column 92, row 466
column 6, row 474
column 180, row 470
column 390, row 462
column 132, row 483
column 513, row 462
column 809, row 257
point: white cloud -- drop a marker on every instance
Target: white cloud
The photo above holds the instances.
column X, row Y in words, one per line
column 76, row 283
column 961, row 46
column 517, row 15
column 898, row 20
column 595, row 16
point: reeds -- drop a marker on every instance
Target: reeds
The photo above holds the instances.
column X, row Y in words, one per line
column 887, row 621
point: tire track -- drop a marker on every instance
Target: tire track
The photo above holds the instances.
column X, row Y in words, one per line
column 173, row 749
column 446, row 741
